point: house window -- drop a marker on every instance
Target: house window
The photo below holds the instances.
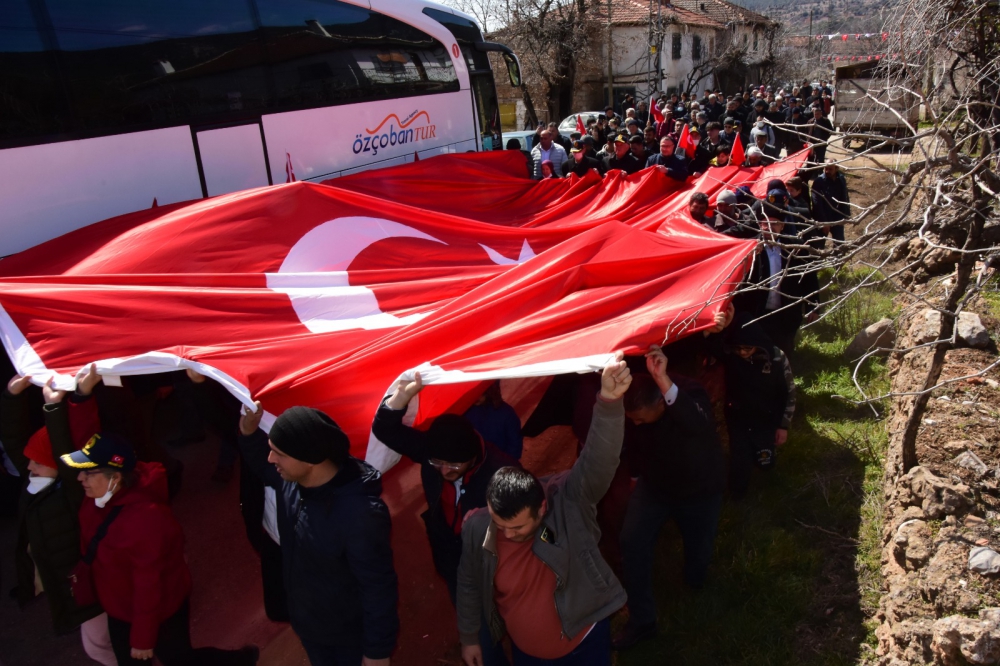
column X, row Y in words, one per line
column 675, row 53
column 696, row 48
column 754, row 40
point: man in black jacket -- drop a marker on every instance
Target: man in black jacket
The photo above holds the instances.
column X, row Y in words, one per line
column 819, row 128
column 559, row 138
column 48, row 531
column 580, row 162
column 637, row 145
column 334, row 529
column 682, row 479
column 623, row 158
column 456, row 465
column 760, row 396
column 830, row 199
column 776, row 280
column 668, row 161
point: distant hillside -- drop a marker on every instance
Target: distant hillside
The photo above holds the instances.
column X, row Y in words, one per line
column 828, row 16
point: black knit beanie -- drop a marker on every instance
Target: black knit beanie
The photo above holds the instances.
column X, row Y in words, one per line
column 309, row 435
column 452, row 438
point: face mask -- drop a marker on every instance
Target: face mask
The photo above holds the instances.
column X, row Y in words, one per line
column 37, row 484
column 106, row 497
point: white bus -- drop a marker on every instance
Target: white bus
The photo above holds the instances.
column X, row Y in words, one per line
column 109, row 105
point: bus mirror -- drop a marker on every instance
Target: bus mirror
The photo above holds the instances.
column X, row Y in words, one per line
column 513, row 69
column 509, row 58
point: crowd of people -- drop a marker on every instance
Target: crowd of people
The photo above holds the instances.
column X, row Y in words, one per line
column 685, row 136
column 665, row 437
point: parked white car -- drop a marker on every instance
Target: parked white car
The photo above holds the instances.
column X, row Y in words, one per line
column 525, row 138
column 568, row 125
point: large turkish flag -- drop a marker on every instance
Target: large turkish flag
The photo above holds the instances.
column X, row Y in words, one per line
column 325, row 294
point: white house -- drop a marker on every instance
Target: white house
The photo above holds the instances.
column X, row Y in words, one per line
column 659, row 46
column 743, row 30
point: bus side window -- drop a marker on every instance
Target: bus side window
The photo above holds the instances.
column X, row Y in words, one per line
column 32, row 100
column 92, row 68
column 134, row 64
column 350, row 54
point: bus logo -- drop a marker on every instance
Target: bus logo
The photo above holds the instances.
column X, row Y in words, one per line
column 380, row 137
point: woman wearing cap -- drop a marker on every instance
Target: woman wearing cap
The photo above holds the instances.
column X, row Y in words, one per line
column 48, row 532
column 139, row 573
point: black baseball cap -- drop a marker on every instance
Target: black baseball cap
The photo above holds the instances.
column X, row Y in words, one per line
column 577, row 147
column 104, row 449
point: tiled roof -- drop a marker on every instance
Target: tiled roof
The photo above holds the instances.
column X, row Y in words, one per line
column 723, row 12
column 636, row 12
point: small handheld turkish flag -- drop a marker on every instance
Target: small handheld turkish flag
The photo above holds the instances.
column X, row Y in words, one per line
column 289, row 169
column 579, row 125
column 685, row 143
column 737, row 156
column 655, row 110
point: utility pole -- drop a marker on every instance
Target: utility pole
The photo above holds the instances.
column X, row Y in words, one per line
column 810, row 47
column 659, row 45
column 611, row 85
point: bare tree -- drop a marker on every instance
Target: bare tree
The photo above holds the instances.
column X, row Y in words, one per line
column 554, row 40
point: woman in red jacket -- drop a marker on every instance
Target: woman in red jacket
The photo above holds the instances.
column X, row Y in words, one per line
column 139, row 572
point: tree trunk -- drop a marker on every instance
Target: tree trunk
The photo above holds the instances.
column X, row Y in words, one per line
column 530, row 116
column 963, row 276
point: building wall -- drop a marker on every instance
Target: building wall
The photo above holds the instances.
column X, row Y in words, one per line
column 675, row 72
column 754, row 38
column 631, row 64
column 630, row 60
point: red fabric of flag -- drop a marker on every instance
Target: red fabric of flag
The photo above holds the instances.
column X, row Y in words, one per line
column 685, row 143
column 325, row 294
column 579, row 125
column 655, row 110
column 737, row 156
